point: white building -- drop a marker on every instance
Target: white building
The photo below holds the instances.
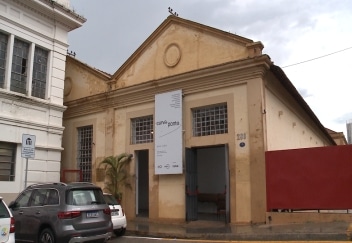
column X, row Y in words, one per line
column 33, row 48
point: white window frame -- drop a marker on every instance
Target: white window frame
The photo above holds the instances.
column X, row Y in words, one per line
column 30, row 63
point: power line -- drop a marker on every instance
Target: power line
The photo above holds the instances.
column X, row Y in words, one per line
column 317, row 57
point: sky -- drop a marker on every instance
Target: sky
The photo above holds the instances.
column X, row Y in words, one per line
column 311, row 40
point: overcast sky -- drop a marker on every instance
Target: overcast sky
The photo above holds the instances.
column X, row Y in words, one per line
column 292, row 32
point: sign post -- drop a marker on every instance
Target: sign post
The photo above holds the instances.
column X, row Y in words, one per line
column 28, row 151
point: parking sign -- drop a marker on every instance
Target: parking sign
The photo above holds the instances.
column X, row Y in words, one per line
column 28, row 146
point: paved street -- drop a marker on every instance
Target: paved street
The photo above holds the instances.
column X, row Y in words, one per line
column 136, row 239
column 216, row 231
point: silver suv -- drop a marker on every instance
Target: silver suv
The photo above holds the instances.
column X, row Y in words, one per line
column 59, row 212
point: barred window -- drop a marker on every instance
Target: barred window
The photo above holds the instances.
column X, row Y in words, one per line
column 39, row 72
column 3, row 50
column 210, row 120
column 84, row 160
column 7, row 161
column 19, row 66
column 142, row 130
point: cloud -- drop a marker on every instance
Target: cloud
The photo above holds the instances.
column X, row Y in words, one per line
column 291, row 31
column 347, row 117
column 305, row 93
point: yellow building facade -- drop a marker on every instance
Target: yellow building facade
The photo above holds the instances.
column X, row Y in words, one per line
column 236, row 104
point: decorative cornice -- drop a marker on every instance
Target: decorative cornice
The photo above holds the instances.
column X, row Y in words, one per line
column 53, row 11
column 220, row 76
column 20, row 98
column 33, row 125
column 38, row 34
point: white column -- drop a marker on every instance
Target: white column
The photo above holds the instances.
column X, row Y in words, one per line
column 9, row 62
column 30, row 69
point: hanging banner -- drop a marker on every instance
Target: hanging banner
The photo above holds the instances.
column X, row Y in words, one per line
column 168, row 133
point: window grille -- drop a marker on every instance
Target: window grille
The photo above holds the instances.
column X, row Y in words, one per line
column 84, row 160
column 19, row 66
column 210, row 120
column 39, row 72
column 3, row 50
column 7, row 161
column 142, row 130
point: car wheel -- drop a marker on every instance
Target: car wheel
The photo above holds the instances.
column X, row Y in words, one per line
column 120, row 232
column 46, row 236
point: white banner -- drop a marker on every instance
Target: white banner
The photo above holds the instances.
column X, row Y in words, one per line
column 168, row 133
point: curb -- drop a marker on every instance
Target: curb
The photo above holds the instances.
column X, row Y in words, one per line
column 245, row 237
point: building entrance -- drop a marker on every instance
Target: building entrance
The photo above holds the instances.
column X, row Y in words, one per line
column 142, row 183
column 207, row 183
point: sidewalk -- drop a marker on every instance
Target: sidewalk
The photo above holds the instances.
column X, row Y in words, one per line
column 217, row 230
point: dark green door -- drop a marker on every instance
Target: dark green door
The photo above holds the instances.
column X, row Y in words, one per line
column 191, row 185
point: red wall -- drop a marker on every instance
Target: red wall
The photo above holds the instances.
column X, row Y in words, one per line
column 311, row 178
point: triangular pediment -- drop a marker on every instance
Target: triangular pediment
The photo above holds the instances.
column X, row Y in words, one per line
column 82, row 80
column 179, row 46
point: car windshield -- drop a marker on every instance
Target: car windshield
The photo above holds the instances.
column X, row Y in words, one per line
column 109, row 199
column 4, row 213
column 85, row 197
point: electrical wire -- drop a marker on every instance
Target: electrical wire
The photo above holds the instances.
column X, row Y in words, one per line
column 317, row 57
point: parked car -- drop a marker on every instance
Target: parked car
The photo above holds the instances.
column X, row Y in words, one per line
column 7, row 224
column 60, row 212
column 118, row 216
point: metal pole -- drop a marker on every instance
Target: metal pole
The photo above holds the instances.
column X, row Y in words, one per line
column 25, row 179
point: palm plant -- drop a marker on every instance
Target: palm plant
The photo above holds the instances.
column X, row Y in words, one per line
column 117, row 175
